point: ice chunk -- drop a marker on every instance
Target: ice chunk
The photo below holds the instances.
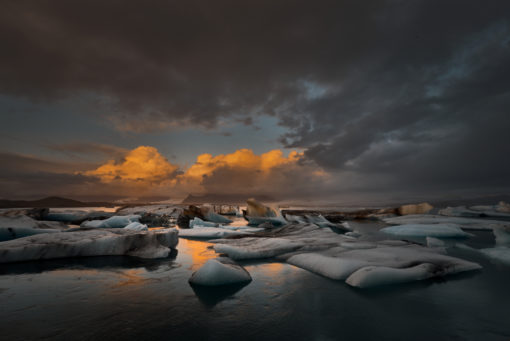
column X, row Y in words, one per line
column 262, row 248
column 158, row 210
column 500, row 253
column 22, row 226
column 112, row 222
column 210, row 215
column 334, row 255
column 76, row 216
column 424, row 230
column 210, row 233
column 135, row 226
column 331, row 267
column 319, row 220
column 422, row 208
column 462, row 211
column 220, row 271
column 256, row 221
column 197, row 222
column 371, row 276
column 434, row 242
column 502, row 234
column 86, row 242
column 295, row 219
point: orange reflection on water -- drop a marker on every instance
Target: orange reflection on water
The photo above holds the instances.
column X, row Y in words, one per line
column 271, row 269
column 199, row 251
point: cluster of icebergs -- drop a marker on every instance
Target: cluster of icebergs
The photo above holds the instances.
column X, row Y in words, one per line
column 307, row 241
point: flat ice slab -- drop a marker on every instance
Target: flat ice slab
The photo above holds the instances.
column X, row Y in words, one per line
column 112, row 222
column 427, row 230
column 465, row 223
column 220, row 271
column 337, row 256
column 210, row 233
column 23, row 226
column 86, row 242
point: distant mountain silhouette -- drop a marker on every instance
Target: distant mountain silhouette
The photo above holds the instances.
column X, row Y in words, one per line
column 224, row 198
column 51, row 202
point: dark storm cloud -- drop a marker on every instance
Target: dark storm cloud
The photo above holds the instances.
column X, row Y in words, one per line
column 399, row 93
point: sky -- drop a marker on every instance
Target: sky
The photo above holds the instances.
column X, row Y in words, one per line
column 295, row 100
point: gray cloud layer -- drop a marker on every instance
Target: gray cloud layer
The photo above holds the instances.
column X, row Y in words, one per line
column 405, row 95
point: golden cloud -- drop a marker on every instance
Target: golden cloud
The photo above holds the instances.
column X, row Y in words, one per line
column 242, row 171
column 144, row 164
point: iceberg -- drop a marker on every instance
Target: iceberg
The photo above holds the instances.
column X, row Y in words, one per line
column 76, row 216
column 371, row 276
column 197, row 222
column 424, row 230
column 210, row 215
column 112, row 222
column 462, row 211
column 337, row 256
column 22, row 226
column 210, row 233
column 502, row 234
column 499, row 253
column 220, row 271
column 90, row 242
column 422, row 208
column 257, row 213
column 136, row 226
column 434, row 242
column 320, row 221
column 465, row 223
column 158, row 210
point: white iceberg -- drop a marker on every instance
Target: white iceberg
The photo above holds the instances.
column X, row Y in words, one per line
column 22, row 226
column 136, row 226
column 371, row 276
column 295, row 219
column 197, row 222
column 335, row 255
column 424, row 230
column 319, row 220
column 257, row 213
column 112, row 222
column 210, row 233
column 465, row 223
column 86, row 242
column 462, row 211
column 434, row 242
column 220, row 271
column 499, row 253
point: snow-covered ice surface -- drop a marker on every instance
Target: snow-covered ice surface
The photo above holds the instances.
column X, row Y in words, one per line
column 112, row 222
column 197, row 222
column 337, row 256
column 220, row 271
column 424, row 230
column 22, row 226
column 465, row 223
column 462, row 211
column 136, row 226
column 209, row 233
column 89, row 242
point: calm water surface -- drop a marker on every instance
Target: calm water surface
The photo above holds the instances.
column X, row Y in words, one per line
column 120, row 298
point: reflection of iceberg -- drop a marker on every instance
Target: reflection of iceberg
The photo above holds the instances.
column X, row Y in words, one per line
column 211, row 296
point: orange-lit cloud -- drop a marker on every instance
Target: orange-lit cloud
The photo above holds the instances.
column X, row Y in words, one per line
column 242, row 171
column 144, row 164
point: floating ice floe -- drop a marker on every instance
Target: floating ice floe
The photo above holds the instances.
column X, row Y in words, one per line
column 424, row 230
column 220, row 271
column 22, row 226
column 210, row 215
column 320, row 221
column 136, row 226
column 295, row 219
column 434, row 242
column 465, row 223
column 210, row 233
column 462, row 211
column 76, row 216
column 159, row 210
column 197, row 222
column 112, row 222
column 499, row 253
column 338, row 256
column 87, row 242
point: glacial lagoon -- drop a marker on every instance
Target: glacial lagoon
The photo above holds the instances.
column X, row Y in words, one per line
column 120, row 298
